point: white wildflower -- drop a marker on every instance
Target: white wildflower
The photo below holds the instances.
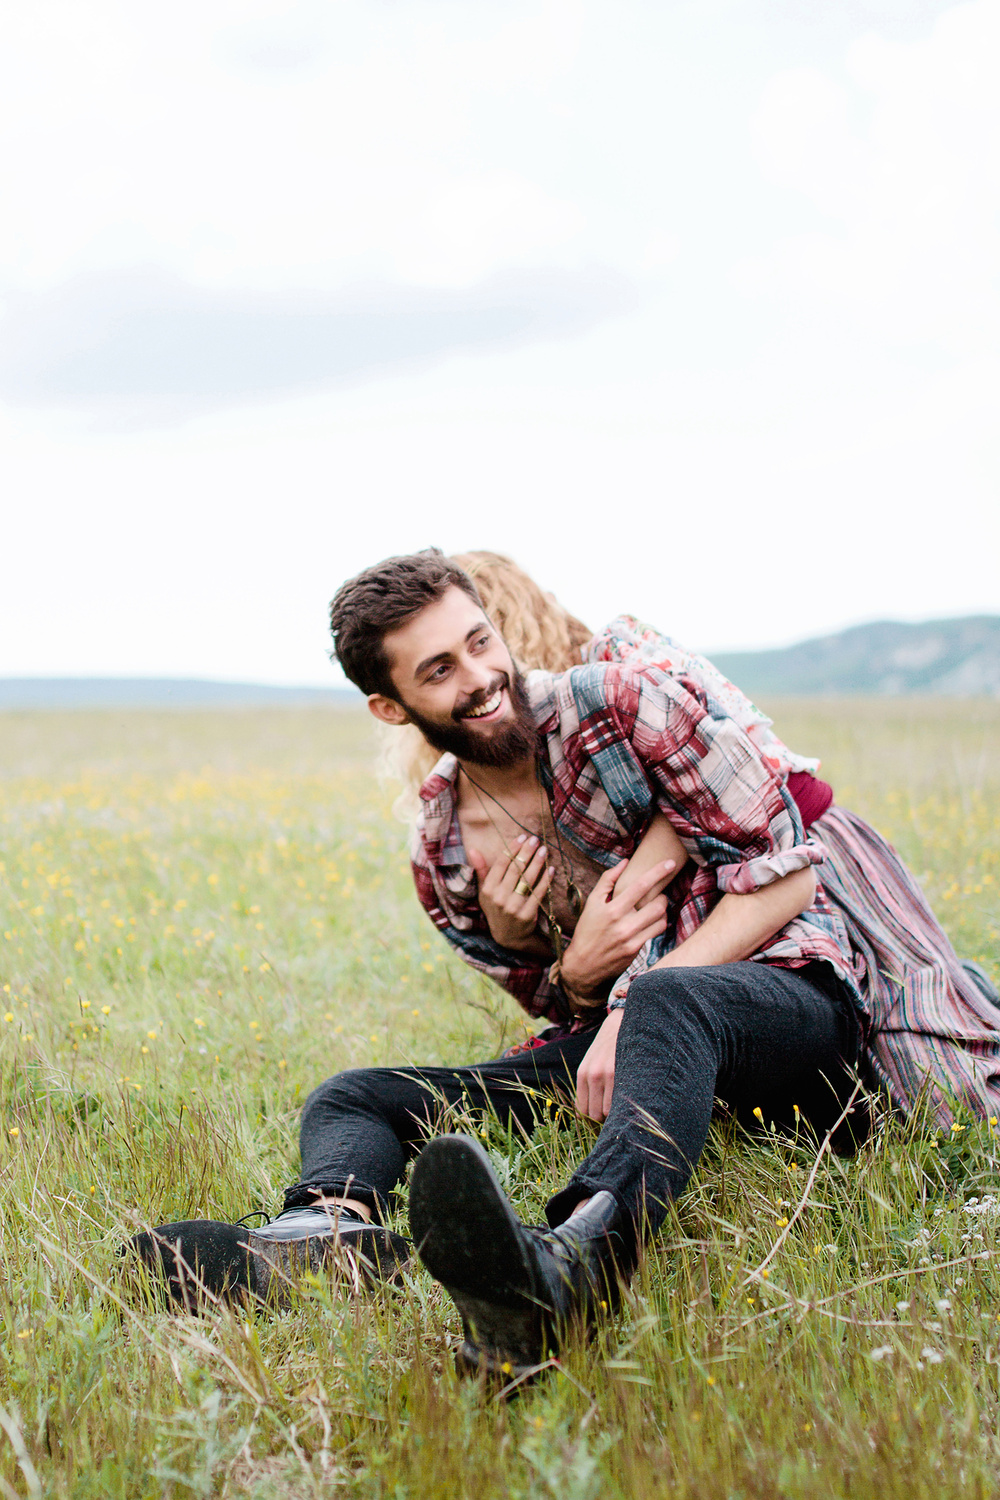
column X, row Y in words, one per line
column 988, row 1207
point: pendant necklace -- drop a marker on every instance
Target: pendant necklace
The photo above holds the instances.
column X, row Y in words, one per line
column 578, row 1005
column 573, row 897
column 555, row 931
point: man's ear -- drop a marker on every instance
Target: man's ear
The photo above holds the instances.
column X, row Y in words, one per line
column 387, row 710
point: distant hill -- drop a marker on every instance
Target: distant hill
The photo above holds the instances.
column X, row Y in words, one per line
column 162, row 692
column 950, row 657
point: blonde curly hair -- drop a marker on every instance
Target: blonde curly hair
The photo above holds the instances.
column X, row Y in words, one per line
column 539, row 633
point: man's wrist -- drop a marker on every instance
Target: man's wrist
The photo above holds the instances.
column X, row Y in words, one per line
column 579, row 1004
column 578, row 983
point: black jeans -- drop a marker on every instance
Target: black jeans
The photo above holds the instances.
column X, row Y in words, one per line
column 756, row 1036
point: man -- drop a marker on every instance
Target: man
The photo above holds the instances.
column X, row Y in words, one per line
column 739, row 986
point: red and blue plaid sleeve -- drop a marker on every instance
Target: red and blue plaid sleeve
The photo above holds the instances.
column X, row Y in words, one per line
column 729, row 807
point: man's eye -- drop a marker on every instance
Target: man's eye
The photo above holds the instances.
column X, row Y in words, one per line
column 483, row 640
column 438, row 673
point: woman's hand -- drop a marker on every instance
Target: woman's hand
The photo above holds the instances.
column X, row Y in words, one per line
column 595, row 1077
column 611, row 930
column 511, row 891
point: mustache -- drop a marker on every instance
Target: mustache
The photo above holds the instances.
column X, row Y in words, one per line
column 476, row 700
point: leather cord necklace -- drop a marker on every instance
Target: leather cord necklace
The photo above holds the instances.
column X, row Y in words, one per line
column 578, row 1004
column 573, row 896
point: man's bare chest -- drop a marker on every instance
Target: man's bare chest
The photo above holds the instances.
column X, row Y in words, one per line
column 495, row 834
column 499, row 835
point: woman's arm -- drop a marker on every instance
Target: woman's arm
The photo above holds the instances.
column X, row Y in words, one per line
column 658, row 845
column 740, row 924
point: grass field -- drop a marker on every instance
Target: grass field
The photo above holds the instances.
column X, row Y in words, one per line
column 204, row 915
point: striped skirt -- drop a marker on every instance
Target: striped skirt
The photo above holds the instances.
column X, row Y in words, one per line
column 932, row 1033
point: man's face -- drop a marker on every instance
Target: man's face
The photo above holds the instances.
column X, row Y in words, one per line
column 457, row 683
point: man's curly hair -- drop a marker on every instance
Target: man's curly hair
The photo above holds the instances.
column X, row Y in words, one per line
column 366, row 609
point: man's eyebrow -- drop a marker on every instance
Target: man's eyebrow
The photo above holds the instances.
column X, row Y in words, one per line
column 432, row 661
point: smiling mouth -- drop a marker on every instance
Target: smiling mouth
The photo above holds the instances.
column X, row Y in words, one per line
column 489, row 707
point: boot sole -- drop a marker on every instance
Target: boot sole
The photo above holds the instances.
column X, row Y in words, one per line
column 468, row 1237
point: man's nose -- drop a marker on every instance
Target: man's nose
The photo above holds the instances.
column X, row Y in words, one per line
column 475, row 676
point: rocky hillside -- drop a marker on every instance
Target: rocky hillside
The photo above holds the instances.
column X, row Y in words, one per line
column 950, row 657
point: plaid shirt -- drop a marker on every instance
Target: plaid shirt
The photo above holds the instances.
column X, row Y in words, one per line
column 616, row 744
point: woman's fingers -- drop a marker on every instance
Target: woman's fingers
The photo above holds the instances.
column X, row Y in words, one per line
column 526, row 871
column 504, row 870
column 595, row 1079
column 485, row 873
column 593, row 1094
column 583, row 1082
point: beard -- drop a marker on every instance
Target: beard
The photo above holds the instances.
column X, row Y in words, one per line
column 507, row 744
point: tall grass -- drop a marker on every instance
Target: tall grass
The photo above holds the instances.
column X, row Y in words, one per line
column 204, row 915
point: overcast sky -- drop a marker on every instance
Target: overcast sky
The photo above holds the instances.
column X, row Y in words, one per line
column 691, row 305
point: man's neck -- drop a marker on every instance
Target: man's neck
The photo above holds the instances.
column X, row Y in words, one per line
column 511, row 782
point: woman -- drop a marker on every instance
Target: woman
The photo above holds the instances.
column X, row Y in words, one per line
column 930, row 1025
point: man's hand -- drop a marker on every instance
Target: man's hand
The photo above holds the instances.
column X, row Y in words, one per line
column 511, row 891
column 595, row 1078
column 611, row 931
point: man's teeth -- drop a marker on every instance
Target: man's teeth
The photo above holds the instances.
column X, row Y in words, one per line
column 489, row 707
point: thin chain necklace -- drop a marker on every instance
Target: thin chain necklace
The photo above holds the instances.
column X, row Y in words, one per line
column 577, row 1004
column 573, row 895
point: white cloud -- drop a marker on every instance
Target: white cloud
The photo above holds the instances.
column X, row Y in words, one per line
column 901, row 159
column 149, row 130
column 151, row 345
column 794, row 430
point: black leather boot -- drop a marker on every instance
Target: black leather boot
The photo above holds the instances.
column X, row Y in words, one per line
column 199, row 1259
column 519, row 1290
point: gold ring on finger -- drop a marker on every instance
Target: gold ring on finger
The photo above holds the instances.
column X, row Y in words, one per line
column 523, row 888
